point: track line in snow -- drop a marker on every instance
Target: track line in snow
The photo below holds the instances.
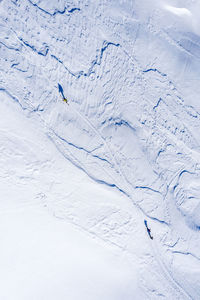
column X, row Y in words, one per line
column 177, row 286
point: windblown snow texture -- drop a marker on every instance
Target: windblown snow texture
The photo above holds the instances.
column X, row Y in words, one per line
column 125, row 149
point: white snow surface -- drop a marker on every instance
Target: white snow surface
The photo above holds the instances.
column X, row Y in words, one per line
column 77, row 180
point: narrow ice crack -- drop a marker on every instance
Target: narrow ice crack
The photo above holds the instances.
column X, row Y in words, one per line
column 61, row 62
column 81, row 148
column 14, row 66
column 9, row 47
column 120, row 122
column 96, row 61
column 147, row 188
column 158, row 103
column 186, row 253
column 154, row 70
column 57, row 11
column 12, row 97
column 43, row 52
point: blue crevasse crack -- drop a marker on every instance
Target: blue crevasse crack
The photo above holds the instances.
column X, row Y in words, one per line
column 78, row 165
column 12, row 97
column 57, row 11
column 9, row 47
column 40, row 52
column 98, row 58
column 154, row 70
column 147, row 188
column 81, row 148
column 186, row 253
column 73, row 9
column 158, row 103
column 96, row 61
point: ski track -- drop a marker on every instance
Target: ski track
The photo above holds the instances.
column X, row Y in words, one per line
column 169, row 277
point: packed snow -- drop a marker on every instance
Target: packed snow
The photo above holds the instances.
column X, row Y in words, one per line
column 79, row 177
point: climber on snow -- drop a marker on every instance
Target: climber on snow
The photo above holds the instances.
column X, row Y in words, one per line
column 60, row 89
column 65, row 100
column 148, row 229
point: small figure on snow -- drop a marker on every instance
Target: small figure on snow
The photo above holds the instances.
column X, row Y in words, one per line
column 65, row 100
column 148, row 229
column 60, row 89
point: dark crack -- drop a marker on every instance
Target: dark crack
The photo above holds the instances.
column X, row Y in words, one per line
column 83, row 149
column 61, row 62
column 43, row 52
column 73, row 10
column 96, row 61
column 14, row 66
column 57, row 11
column 12, row 97
column 9, row 47
column 154, row 70
column 75, row 162
column 148, row 188
column 99, row 57
column 186, row 253
column 158, row 103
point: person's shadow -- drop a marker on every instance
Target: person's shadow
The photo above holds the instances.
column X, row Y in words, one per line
column 60, row 89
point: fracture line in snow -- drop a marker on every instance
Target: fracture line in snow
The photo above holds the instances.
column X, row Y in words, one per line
column 46, row 50
column 82, row 148
column 9, row 47
column 78, row 164
column 154, row 70
column 96, row 61
column 57, row 11
column 186, row 253
column 12, row 97
column 100, row 136
column 43, row 52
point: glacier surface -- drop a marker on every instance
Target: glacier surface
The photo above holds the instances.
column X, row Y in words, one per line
column 78, row 179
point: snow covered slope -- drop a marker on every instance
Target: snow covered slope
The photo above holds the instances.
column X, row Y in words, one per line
column 125, row 149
